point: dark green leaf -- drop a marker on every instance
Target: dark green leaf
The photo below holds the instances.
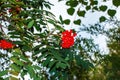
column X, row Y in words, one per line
column 61, row 20
column 95, row 8
column 61, row 65
column 26, row 48
column 116, row 2
column 73, row 3
column 18, row 42
column 52, row 63
column 102, row 18
column 111, row 12
column 70, row 11
column 81, row 13
column 59, row 27
column 88, row 7
column 77, row 22
column 47, row 61
column 103, row 8
column 67, row 21
column 93, row 2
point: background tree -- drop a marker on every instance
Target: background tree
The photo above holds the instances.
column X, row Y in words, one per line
column 111, row 61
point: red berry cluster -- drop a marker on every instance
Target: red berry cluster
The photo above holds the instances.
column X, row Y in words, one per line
column 5, row 44
column 67, row 38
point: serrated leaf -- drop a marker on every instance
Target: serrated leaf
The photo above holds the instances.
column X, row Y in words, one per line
column 30, row 24
column 103, row 8
column 77, row 22
column 67, row 21
column 70, row 11
column 81, row 13
column 102, row 18
column 111, row 12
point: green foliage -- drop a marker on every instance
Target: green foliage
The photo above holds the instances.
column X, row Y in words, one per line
column 81, row 13
column 103, row 8
column 83, row 7
column 71, row 11
column 72, row 3
column 37, row 51
column 116, row 3
column 67, row 21
column 102, row 19
column 77, row 22
column 111, row 12
column 30, row 24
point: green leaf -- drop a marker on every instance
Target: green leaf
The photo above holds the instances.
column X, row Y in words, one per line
column 61, row 19
column 67, row 21
column 77, row 22
column 18, row 42
column 59, row 27
column 103, row 8
column 26, row 48
column 2, row 73
column 61, row 65
column 93, row 2
column 17, row 61
column 30, row 70
column 58, row 57
column 70, row 11
column 47, row 61
column 88, row 8
column 81, row 13
column 111, row 12
column 23, row 73
column 30, row 24
column 15, row 67
column 36, row 67
column 102, row 18
column 52, row 63
column 71, row 3
column 116, row 2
